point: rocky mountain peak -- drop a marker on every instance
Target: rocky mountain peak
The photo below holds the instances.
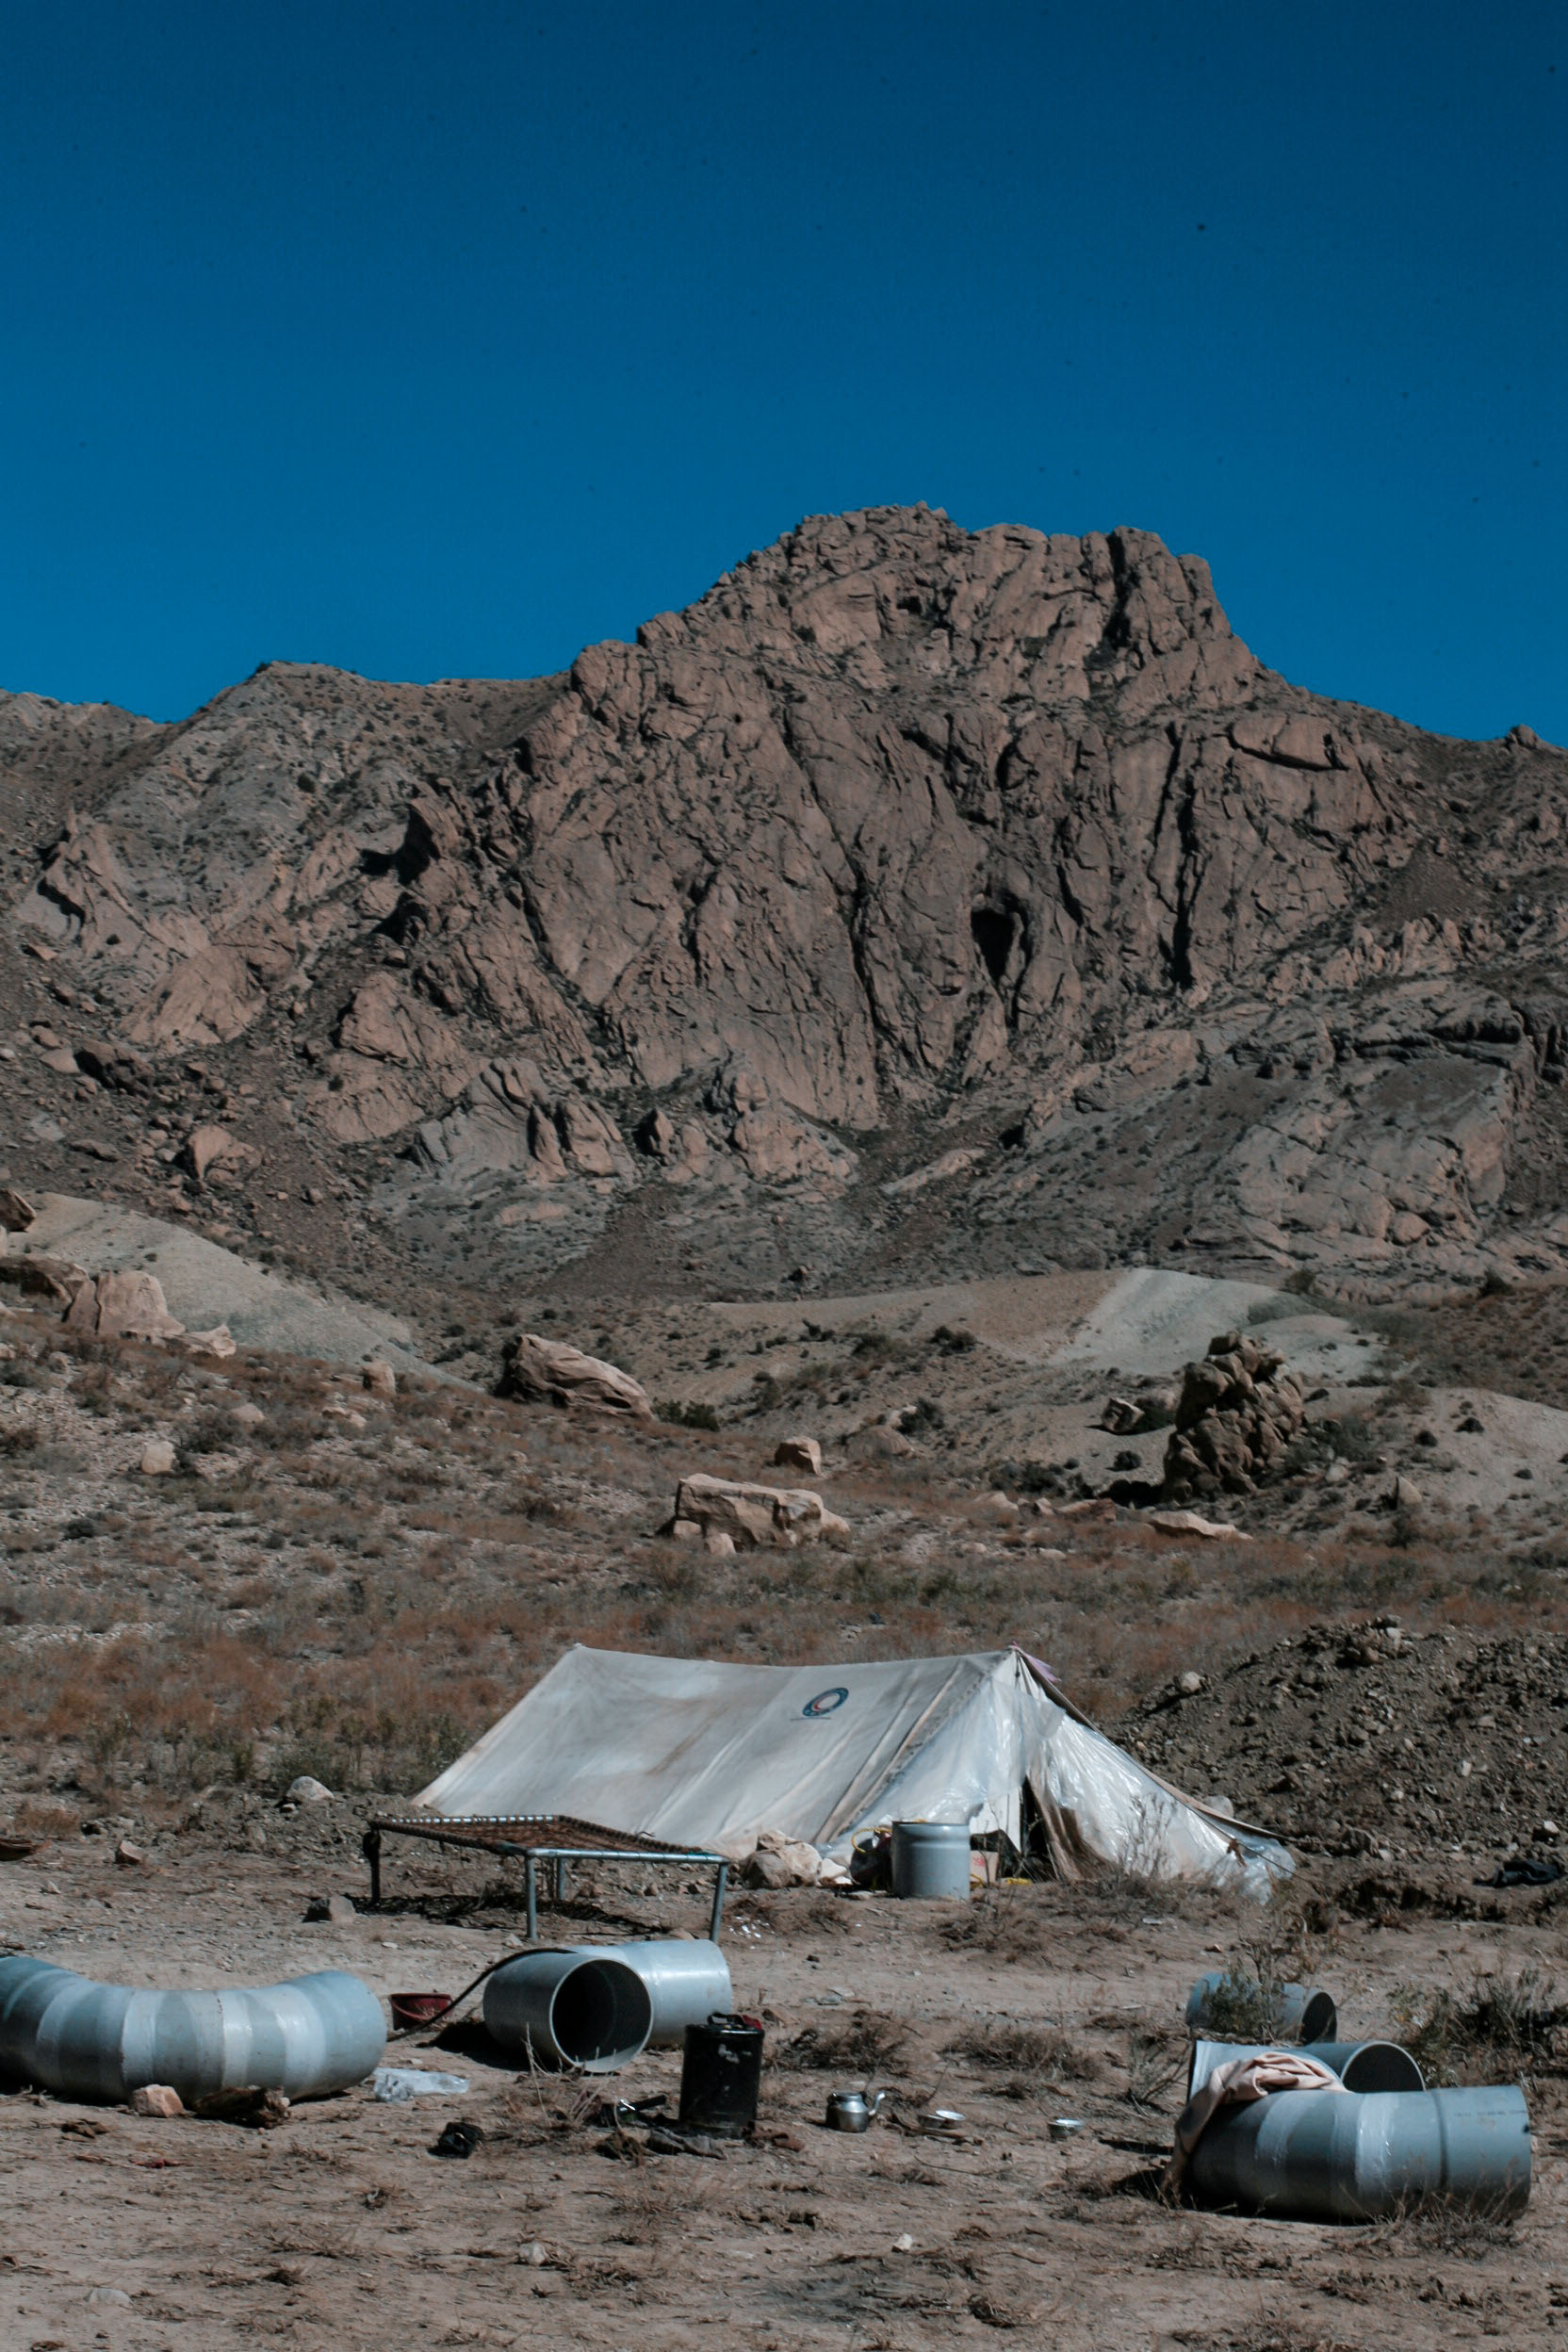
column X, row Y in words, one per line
column 907, row 865
column 1014, row 611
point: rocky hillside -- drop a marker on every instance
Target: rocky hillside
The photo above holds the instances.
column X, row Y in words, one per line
column 919, row 902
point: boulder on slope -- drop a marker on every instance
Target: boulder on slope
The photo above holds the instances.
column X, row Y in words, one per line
column 123, row 1306
column 751, row 1515
column 563, row 1375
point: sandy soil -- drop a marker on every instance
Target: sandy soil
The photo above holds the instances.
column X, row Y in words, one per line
column 341, row 2227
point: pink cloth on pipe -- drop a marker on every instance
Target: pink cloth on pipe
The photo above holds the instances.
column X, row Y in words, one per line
column 1236, row 2084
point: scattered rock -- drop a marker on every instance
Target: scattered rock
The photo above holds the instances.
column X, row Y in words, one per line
column 753, row 1516
column 1130, row 1416
column 1404, row 1495
column 563, row 1375
column 156, row 2098
column 159, row 1459
column 256, row 2109
column 17, row 1214
column 798, row 1453
column 331, row 1910
column 994, row 1510
column 247, row 1416
column 129, row 1856
column 882, row 1444
column 1190, row 1523
column 1189, row 1684
column 379, row 1377
column 780, row 1861
column 40, row 1277
column 218, row 1343
column 217, row 1152
column 116, row 1068
column 347, row 1415
column 717, row 1544
column 307, row 1789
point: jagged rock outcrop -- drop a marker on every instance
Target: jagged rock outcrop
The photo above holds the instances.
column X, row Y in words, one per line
column 899, row 828
column 1239, row 1412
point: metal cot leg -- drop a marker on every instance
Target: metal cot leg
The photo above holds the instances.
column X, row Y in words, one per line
column 369, row 1846
column 721, row 1879
column 531, row 1875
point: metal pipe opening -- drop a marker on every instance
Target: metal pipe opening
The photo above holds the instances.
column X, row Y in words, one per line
column 575, row 2008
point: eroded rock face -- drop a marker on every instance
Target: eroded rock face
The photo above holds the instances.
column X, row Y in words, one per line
column 1239, row 1412
column 899, row 825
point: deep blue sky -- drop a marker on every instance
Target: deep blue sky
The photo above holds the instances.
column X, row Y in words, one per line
column 443, row 340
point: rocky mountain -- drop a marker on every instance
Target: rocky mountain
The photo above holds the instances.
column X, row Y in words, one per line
column 918, row 902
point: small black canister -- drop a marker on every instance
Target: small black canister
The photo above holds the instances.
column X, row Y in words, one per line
column 720, row 2074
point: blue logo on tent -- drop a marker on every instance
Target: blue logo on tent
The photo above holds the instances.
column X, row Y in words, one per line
column 826, row 1701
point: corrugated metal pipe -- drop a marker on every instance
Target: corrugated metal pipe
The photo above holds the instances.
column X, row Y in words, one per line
column 305, row 2037
column 1324, row 2156
column 598, row 2005
column 1359, row 2066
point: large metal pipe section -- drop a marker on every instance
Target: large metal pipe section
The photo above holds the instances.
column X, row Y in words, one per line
column 1295, row 2013
column 587, row 2008
column 307, row 2036
column 1359, row 2066
column 1326, row 2157
column 688, row 1980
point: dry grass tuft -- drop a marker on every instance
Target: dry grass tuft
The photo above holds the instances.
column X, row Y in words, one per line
column 1499, row 2030
column 866, row 2043
column 1033, row 2056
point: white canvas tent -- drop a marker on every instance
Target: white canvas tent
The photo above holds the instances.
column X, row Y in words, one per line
column 698, row 1753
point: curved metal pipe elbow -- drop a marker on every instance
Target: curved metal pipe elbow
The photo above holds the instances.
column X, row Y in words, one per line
column 307, row 2036
column 1362, row 2155
column 1359, row 2066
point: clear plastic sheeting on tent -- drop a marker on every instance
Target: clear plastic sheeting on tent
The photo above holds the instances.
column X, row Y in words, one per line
column 693, row 1753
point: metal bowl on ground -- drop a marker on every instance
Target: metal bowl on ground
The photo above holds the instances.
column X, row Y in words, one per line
column 412, row 2010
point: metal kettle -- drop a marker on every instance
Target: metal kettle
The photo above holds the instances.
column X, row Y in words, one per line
column 853, row 2111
